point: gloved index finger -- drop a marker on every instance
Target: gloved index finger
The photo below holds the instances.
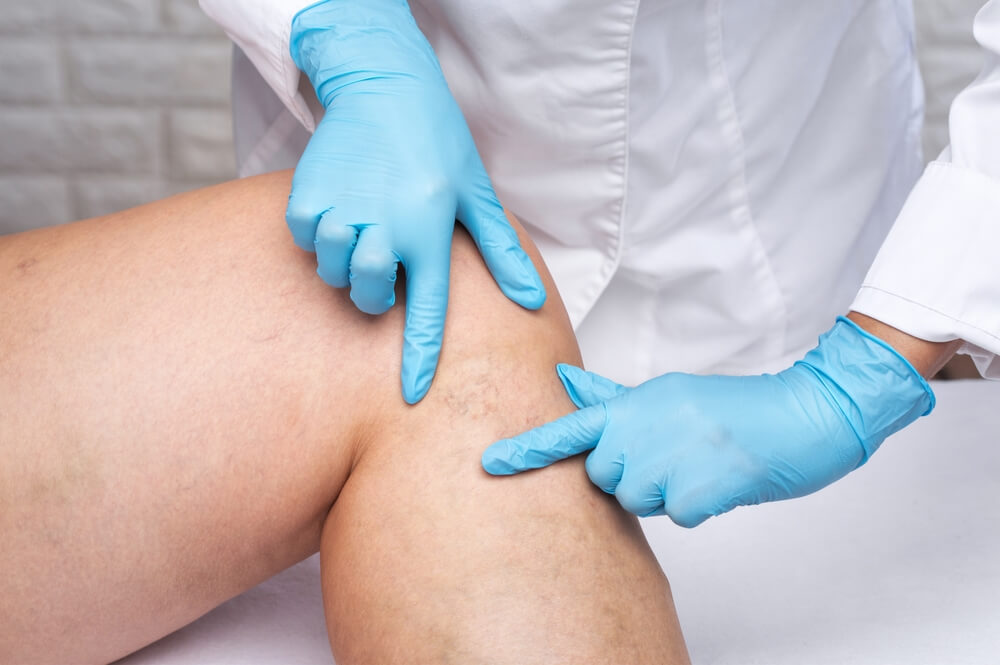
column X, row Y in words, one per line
column 570, row 435
column 587, row 388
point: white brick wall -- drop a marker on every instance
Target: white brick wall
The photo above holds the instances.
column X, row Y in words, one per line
column 106, row 104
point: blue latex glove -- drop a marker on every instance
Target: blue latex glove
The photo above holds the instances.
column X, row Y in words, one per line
column 697, row 446
column 390, row 167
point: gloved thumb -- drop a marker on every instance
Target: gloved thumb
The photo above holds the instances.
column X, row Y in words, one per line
column 481, row 214
column 586, row 388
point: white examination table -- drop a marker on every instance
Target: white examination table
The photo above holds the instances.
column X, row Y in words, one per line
column 897, row 563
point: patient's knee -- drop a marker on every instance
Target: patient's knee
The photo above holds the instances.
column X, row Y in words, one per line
column 544, row 560
column 498, row 359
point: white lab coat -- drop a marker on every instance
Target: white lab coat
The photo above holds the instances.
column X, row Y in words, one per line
column 708, row 180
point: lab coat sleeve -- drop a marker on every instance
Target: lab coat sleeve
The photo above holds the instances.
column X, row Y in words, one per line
column 937, row 276
column 261, row 29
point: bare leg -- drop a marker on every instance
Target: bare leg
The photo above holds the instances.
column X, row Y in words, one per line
column 182, row 401
column 545, row 569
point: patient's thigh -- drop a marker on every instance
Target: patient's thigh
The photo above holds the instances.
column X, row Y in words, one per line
column 182, row 400
column 180, row 403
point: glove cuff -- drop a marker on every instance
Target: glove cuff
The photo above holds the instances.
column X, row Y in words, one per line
column 877, row 389
column 340, row 42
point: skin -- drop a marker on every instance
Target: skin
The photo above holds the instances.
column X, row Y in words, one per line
column 926, row 357
column 186, row 410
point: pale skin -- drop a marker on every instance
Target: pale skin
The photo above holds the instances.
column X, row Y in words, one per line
column 186, row 410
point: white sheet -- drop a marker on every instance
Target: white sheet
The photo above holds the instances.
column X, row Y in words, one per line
column 897, row 563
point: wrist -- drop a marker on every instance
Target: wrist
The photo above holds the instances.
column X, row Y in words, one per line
column 338, row 43
column 346, row 17
column 926, row 357
column 877, row 390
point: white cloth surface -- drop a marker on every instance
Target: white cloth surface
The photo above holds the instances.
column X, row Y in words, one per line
column 897, row 563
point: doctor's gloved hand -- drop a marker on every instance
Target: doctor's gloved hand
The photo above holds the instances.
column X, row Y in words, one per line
column 387, row 172
column 697, row 446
